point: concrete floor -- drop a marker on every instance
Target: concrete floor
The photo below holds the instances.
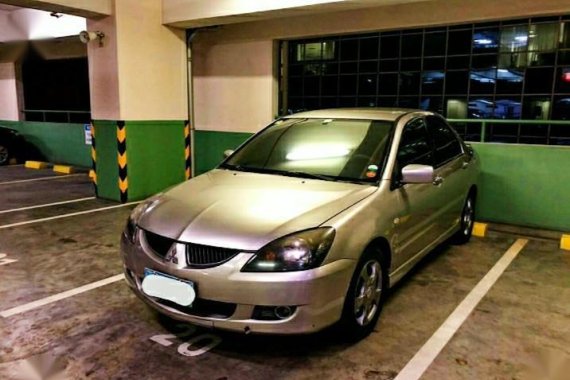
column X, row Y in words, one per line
column 518, row 331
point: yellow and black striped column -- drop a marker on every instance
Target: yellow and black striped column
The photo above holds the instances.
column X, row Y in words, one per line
column 122, row 160
column 187, row 157
column 93, row 173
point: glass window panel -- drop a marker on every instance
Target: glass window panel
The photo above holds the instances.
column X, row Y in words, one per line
column 536, row 108
column 445, row 142
column 295, row 86
column 348, row 67
column 311, row 69
column 534, row 130
column 367, row 84
column 481, row 108
column 347, row 84
column 509, row 81
column 386, row 101
column 388, row 84
column 561, row 108
column 347, row 101
column 564, row 57
column 486, row 41
column 432, row 82
column 508, row 108
column 390, row 46
column 483, row 81
column 366, row 101
column 458, row 62
column 311, row 86
column 369, row 48
column 312, row 103
column 434, row 44
column 514, row 39
column 412, row 45
column 456, row 108
column 539, row 80
column 484, row 61
column 411, row 64
column 329, row 50
column 408, row 102
column 329, row 102
column 389, row 65
column 415, row 145
column 295, row 70
column 329, row 85
column 432, row 103
column 565, row 35
column 563, row 80
column 541, row 58
column 459, row 42
column 409, row 83
column 457, row 82
column 313, row 51
column 434, row 63
column 295, row 104
column 348, row 50
column 296, row 50
column 368, row 66
column 513, row 60
column 543, row 37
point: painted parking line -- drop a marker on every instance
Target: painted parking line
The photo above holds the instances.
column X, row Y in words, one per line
column 416, row 367
column 57, row 297
column 4, row 226
column 42, row 178
column 47, row 205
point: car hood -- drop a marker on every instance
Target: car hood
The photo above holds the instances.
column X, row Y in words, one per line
column 247, row 210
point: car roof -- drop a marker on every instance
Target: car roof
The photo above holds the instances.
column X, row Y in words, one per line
column 369, row 113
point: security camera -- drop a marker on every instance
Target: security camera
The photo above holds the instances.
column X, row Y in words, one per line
column 86, row 37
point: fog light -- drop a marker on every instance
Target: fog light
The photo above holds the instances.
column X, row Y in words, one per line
column 273, row 313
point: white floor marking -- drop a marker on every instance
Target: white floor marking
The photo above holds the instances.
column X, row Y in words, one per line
column 47, row 205
column 43, row 178
column 56, row 297
column 5, row 261
column 431, row 349
column 66, row 215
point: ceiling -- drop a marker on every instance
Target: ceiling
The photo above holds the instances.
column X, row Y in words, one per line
column 8, row 8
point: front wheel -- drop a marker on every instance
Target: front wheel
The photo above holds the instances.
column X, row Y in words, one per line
column 4, row 155
column 365, row 296
column 467, row 221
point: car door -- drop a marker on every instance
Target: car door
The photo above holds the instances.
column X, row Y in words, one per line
column 415, row 226
column 449, row 162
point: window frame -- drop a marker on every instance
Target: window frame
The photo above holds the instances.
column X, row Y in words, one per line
column 434, row 148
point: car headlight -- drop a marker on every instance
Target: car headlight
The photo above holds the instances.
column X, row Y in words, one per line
column 299, row 251
column 133, row 220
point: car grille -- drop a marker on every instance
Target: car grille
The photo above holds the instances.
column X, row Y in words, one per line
column 159, row 244
column 202, row 256
column 197, row 256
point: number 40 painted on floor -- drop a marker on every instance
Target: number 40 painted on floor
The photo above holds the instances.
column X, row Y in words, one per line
column 4, row 261
column 186, row 347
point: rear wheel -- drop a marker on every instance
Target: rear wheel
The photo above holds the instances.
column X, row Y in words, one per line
column 4, row 155
column 365, row 296
column 467, row 221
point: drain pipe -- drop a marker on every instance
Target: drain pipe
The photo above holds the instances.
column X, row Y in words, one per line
column 190, row 35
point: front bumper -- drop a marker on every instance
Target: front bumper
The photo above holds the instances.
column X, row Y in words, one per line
column 317, row 295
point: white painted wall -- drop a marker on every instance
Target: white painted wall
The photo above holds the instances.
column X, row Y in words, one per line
column 32, row 24
column 8, row 93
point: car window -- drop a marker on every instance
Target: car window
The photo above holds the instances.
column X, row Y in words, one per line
column 446, row 143
column 338, row 149
column 415, row 145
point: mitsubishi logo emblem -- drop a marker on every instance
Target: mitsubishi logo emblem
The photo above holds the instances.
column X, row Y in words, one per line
column 171, row 255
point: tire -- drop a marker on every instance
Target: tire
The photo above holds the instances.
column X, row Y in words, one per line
column 467, row 221
column 357, row 322
column 4, row 155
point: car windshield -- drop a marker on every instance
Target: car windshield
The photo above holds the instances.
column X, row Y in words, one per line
column 328, row 149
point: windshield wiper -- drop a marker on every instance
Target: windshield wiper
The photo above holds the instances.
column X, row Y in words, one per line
column 322, row 177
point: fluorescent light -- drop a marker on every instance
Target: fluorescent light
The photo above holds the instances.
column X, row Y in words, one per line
column 483, row 41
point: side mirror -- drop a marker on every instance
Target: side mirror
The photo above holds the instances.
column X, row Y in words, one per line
column 417, row 174
column 228, row 153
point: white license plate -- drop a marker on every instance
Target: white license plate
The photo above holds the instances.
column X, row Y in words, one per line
column 166, row 287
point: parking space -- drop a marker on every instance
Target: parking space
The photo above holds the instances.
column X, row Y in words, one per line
column 106, row 332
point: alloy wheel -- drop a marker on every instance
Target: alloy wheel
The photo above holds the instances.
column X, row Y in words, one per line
column 368, row 292
column 3, row 155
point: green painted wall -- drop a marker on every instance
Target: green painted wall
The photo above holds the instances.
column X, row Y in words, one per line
column 155, row 156
column 520, row 184
column 525, row 185
column 60, row 143
column 209, row 147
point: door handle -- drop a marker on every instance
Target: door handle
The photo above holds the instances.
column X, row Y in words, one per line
column 438, row 181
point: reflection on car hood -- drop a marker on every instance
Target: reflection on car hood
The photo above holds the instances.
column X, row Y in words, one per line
column 247, row 210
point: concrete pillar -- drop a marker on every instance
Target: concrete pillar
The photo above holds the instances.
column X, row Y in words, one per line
column 9, row 94
column 138, row 101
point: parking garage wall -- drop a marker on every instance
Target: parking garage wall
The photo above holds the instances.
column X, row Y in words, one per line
column 60, row 143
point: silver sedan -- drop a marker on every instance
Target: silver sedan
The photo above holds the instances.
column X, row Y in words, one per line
column 306, row 224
